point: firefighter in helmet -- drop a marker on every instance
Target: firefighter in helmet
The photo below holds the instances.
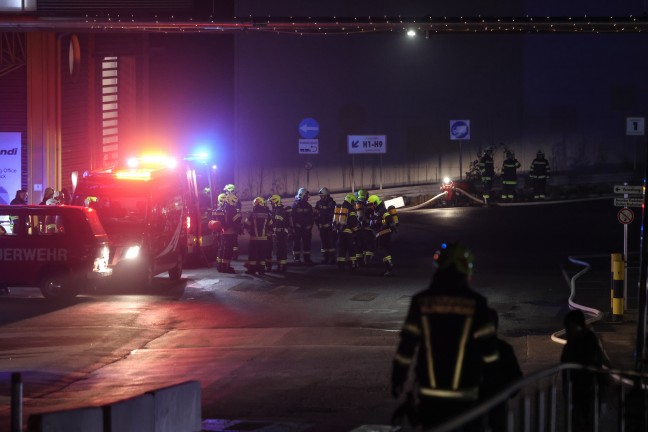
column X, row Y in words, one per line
column 324, row 209
column 230, row 189
column 384, row 221
column 509, row 176
column 345, row 223
column 259, row 225
column 366, row 242
column 448, row 325
column 281, row 228
column 487, row 170
column 539, row 173
column 230, row 220
column 303, row 218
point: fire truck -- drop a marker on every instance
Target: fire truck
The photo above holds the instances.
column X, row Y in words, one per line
column 150, row 210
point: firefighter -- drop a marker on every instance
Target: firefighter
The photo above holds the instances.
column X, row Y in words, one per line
column 539, row 175
column 217, row 229
column 487, row 171
column 20, row 199
column 509, row 175
column 345, row 223
column 366, row 243
column 383, row 221
column 281, row 228
column 324, row 209
column 303, row 219
column 230, row 189
column 449, row 336
column 230, row 219
column 259, row 225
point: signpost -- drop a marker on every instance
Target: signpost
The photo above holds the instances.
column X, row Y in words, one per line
column 631, row 198
column 366, row 144
column 460, row 130
column 308, row 129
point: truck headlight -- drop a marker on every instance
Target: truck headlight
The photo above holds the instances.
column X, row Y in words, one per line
column 132, row 252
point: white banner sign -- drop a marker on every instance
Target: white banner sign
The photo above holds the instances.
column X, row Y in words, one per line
column 308, row 146
column 10, row 171
column 362, row 144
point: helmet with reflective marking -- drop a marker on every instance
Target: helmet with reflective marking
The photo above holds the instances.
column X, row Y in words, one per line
column 455, row 255
column 259, row 201
column 324, row 192
column 302, row 193
column 374, row 200
column 363, row 194
column 350, row 198
column 221, row 198
column 540, row 154
column 229, row 188
column 275, row 200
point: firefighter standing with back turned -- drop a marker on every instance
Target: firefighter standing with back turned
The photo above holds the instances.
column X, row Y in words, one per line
column 230, row 189
column 281, row 227
column 324, row 209
column 259, row 225
column 450, row 332
column 345, row 223
column 539, row 175
column 509, row 176
column 230, row 220
column 384, row 221
column 302, row 221
column 365, row 237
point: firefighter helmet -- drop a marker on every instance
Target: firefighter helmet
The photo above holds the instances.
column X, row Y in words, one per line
column 362, row 194
column 540, row 154
column 455, row 255
column 221, row 198
column 324, row 192
column 374, row 200
column 350, row 198
column 259, row 201
column 302, row 193
column 231, row 199
column 509, row 154
column 275, row 200
column 229, row 189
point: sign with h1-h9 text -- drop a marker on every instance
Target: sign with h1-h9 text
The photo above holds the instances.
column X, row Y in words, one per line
column 366, row 144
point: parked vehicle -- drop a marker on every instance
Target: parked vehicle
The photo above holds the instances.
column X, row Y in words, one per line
column 146, row 213
column 61, row 249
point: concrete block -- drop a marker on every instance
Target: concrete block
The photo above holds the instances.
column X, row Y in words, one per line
column 131, row 415
column 178, row 408
column 76, row 420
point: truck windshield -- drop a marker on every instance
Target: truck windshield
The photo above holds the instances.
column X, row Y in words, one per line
column 116, row 211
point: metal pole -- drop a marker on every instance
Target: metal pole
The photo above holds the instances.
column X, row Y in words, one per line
column 381, row 172
column 352, row 173
column 641, row 294
column 16, row 402
column 460, row 157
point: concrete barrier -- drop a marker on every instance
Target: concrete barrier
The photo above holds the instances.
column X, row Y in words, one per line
column 76, row 420
column 131, row 415
column 178, row 408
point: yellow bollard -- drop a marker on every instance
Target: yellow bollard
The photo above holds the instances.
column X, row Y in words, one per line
column 613, row 258
column 617, row 290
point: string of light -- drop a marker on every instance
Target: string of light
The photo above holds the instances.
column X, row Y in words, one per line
column 334, row 25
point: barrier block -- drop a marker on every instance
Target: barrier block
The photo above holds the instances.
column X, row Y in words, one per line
column 77, row 420
column 130, row 415
column 178, row 408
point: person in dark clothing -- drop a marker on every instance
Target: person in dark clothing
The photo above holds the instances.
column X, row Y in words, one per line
column 303, row 218
column 259, row 225
column 48, row 194
column 345, row 223
column 487, row 171
column 583, row 347
column 281, row 227
column 230, row 220
column 497, row 376
column 20, row 198
column 450, row 337
column 539, row 174
column 509, row 176
column 324, row 209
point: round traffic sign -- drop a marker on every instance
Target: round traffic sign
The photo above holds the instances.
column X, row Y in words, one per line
column 625, row 215
column 308, row 128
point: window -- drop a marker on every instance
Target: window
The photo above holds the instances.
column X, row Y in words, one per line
column 110, row 110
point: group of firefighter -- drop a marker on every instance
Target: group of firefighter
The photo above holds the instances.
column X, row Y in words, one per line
column 351, row 232
column 538, row 174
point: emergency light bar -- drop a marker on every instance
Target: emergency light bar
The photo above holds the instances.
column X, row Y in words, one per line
column 152, row 161
column 133, row 174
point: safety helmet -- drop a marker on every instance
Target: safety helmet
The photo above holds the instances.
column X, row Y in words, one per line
column 275, row 200
column 231, row 199
column 509, row 154
column 229, row 188
column 457, row 255
column 350, row 198
column 540, row 154
column 363, row 194
column 259, row 201
column 374, row 200
column 324, row 192
column 221, row 198
column 301, row 194
column 489, row 151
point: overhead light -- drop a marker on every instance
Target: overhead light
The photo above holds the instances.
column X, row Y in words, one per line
column 411, row 33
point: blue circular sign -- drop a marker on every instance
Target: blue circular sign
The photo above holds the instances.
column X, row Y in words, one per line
column 460, row 129
column 308, row 128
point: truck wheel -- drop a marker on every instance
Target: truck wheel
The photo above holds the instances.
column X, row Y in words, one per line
column 57, row 286
column 175, row 273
